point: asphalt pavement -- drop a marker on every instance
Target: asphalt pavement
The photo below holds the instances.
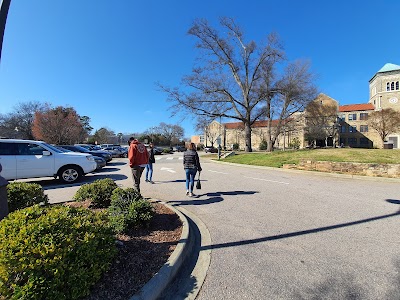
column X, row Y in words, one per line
column 278, row 234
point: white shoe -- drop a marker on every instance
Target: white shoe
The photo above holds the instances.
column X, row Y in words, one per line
column 187, row 193
column 191, row 195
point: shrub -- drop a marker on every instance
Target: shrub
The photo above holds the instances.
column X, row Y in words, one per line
column 295, row 144
column 166, row 150
column 23, row 194
column 56, row 252
column 99, row 192
column 128, row 210
column 235, row 146
column 263, row 145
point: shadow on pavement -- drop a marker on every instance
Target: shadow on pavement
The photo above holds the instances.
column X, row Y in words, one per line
column 107, row 169
column 196, row 202
column 303, row 232
column 117, row 163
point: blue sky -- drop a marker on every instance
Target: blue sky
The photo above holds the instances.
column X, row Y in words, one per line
column 104, row 57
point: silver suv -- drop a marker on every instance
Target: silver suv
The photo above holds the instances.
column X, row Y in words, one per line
column 31, row 159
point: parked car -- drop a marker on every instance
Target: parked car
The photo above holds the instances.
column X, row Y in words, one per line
column 89, row 146
column 179, row 148
column 31, row 159
column 101, row 162
column 124, row 151
column 115, row 152
column 210, row 150
column 158, row 151
column 104, row 154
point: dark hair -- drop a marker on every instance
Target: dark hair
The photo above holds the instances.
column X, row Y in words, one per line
column 192, row 146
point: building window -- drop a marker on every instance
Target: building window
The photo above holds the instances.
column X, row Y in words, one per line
column 352, row 141
column 343, row 129
column 352, row 129
column 363, row 128
column 363, row 116
column 352, row 117
column 342, row 118
column 397, row 85
column 388, row 86
column 392, row 86
column 364, row 141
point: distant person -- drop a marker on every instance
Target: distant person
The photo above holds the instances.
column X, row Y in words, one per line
column 191, row 164
column 138, row 159
column 149, row 166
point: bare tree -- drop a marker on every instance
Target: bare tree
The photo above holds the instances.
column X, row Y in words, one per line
column 321, row 122
column 19, row 122
column 203, row 125
column 238, row 80
column 289, row 95
column 59, row 125
column 385, row 122
column 172, row 133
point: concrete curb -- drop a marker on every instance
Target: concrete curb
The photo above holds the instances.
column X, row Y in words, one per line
column 155, row 287
column 317, row 173
column 204, row 256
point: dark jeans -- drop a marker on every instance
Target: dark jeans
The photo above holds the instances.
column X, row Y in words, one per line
column 136, row 174
column 190, row 175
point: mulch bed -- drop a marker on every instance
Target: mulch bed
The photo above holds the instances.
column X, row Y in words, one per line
column 141, row 255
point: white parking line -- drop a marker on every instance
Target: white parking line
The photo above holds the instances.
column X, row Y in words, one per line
column 180, row 157
column 169, row 158
column 281, row 182
column 158, row 158
column 168, row 170
column 218, row 172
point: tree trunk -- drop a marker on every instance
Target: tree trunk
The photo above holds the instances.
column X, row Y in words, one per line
column 247, row 133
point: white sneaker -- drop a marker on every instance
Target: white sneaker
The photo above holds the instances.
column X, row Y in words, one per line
column 191, row 195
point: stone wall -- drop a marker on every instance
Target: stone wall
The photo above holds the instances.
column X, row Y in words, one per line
column 377, row 170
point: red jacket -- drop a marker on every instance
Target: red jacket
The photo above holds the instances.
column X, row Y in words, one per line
column 137, row 154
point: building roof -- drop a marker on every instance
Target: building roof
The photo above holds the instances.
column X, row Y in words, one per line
column 389, row 67
column 356, row 107
column 239, row 125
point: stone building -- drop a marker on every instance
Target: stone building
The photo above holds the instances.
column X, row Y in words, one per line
column 323, row 123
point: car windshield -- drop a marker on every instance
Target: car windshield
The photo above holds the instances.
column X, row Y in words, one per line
column 53, row 148
column 82, row 149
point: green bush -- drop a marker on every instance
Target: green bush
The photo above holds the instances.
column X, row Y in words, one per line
column 99, row 192
column 23, row 194
column 56, row 252
column 235, row 146
column 128, row 210
column 263, row 145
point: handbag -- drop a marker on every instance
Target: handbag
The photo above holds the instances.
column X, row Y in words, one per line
column 198, row 183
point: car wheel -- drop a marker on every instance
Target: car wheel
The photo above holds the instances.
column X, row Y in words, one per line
column 70, row 174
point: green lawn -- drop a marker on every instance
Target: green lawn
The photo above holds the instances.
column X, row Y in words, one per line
column 279, row 158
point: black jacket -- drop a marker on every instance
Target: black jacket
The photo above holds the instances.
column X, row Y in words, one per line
column 191, row 160
column 152, row 159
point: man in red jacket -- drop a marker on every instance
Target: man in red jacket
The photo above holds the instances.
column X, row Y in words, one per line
column 138, row 159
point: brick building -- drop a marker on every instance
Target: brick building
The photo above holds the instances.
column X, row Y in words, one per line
column 345, row 125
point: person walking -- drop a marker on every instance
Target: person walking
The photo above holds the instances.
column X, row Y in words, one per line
column 191, row 164
column 149, row 166
column 138, row 159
